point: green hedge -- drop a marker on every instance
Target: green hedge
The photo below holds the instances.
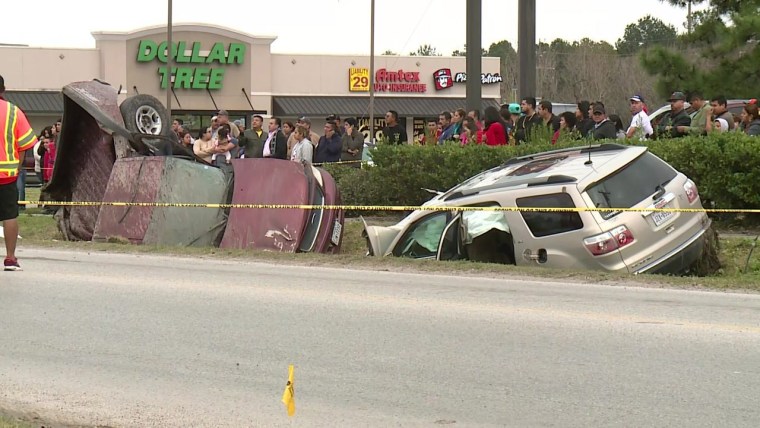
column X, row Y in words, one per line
column 725, row 167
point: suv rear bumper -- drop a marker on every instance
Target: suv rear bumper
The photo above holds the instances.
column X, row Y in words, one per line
column 680, row 259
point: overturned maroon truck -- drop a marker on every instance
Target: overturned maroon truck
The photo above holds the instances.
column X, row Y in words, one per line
column 128, row 153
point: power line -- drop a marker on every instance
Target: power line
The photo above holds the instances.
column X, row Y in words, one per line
column 414, row 30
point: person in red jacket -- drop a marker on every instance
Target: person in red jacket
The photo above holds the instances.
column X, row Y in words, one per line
column 16, row 137
column 495, row 134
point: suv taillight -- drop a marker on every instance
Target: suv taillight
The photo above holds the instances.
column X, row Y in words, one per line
column 691, row 191
column 610, row 241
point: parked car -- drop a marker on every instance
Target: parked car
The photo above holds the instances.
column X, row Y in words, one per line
column 734, row 106
column 603, row 176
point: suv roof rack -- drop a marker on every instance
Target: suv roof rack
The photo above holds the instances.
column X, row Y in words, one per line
column 580, row 149
column 606, row 147
column 531, row 182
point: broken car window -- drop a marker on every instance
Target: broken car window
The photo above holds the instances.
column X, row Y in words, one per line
column 422, row 239
column 477, row 223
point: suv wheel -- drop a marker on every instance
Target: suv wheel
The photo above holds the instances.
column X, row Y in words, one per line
column 709, row 262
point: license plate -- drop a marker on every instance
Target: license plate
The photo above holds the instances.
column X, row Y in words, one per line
column 337, row 229
column 661, row 217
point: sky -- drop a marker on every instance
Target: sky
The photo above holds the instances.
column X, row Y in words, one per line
column 331, row 26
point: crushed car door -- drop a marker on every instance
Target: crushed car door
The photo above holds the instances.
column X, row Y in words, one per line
column 450, row 245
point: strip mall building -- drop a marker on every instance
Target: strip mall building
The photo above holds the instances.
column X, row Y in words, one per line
column 218, row 68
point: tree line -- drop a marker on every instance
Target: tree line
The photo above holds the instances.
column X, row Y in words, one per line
column 718, row 54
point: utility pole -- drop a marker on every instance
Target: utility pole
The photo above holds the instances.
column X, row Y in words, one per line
column 526, row 47
column 474, row 57
column 689, row 19
column 372, row 74
column 169, row 65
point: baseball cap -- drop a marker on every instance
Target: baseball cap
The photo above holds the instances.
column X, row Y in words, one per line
column 239, row 122
column 304, row 119
column 599, row 108
column 677, row 96
column 637, row 98
column 514, row 108
column 213, row 118
column 222, row 113
column 332, row 117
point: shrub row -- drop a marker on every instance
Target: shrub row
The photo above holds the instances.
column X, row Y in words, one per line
column 725, row 167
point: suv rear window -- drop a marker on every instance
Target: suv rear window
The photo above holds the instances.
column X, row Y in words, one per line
column 549, row 222
column 632, row 184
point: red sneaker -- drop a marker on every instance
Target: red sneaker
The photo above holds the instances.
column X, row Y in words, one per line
column 11, row 264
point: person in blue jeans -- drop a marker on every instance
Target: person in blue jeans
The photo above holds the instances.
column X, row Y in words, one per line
column 21, row 185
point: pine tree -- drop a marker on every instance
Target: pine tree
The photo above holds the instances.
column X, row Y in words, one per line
column 726, row 40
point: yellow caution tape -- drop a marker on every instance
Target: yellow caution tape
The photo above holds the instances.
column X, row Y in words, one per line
column 386, row 208
column 339, row 162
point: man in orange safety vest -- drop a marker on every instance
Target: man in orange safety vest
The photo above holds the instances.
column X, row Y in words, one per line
column 16, row 137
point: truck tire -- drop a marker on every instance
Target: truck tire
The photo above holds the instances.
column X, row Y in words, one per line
column 709, row 262
column 145, row 114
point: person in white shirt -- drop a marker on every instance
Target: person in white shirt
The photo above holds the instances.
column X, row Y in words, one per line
column 640, row 124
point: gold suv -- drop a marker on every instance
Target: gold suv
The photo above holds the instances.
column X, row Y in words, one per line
column 604, row 176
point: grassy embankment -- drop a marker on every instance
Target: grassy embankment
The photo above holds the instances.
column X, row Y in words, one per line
column 40, row 231
column 11, row 422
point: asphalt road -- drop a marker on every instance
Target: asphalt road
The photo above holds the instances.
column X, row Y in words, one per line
column 125, row 340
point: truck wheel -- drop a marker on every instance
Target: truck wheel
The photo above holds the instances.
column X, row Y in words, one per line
column 146, row 115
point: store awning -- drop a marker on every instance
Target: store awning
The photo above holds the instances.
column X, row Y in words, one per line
column 359, row 106
column 37, row 102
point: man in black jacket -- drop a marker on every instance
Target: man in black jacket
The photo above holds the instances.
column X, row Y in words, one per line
column 668, row 127
column 584, row 124
column 549, row 119
column 330, row 146
column 393, row 131
column 603, row 129
column 276, row 144
column 526, row 123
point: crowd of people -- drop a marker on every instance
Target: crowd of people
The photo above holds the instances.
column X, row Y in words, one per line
column 511, row 124
column 531, row 120
column 223, row 140
column 44, row 152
